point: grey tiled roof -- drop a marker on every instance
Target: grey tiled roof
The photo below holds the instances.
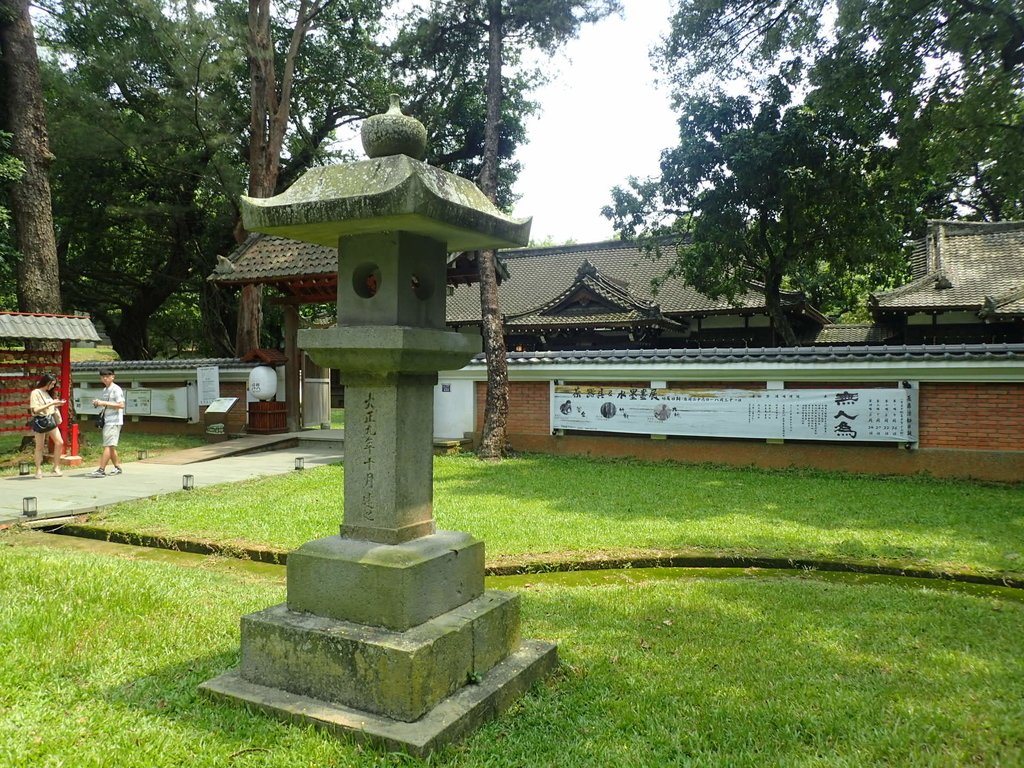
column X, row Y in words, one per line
column 591, row 299
column 851, row 333
column 18, row 325
column 808, row 355
column 162, row 365
column 537, row 276
column 264, row 257
column 964, row 264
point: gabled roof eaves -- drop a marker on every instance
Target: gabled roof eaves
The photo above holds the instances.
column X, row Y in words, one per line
column 621, row 303
column 979, row 260
column 265, row 258
column 537, row 276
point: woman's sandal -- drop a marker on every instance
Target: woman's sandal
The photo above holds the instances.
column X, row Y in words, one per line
column 58, row 473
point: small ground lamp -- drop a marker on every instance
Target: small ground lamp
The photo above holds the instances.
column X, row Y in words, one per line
column 143, row 455
column 188, row 482
column 24, row 468
column 300, row 463
column 28, row 506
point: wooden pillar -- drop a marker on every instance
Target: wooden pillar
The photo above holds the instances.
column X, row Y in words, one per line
column 292, row 367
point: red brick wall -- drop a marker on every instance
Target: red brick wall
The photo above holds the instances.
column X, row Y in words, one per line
column 528, row 410
column 972, row 416
column 966, row 430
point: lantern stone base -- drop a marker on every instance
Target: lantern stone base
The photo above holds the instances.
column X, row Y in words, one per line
column 414, row 689
column 393, row 673
column 447, row 722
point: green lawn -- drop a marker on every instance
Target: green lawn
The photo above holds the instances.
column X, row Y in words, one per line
column 103, row 656
column 543, row 508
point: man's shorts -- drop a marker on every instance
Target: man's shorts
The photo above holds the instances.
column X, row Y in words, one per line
column 111, row 434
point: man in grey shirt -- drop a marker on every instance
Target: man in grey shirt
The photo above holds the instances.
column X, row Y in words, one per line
column 111, row 400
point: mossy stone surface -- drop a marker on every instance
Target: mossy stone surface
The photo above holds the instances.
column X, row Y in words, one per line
column 398, row 674
column 393, row 133
column 384, row 194
column 393, row 586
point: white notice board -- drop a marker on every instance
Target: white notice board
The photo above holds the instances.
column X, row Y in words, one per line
column 207, row 383
column 853, row 415
column 138, row 401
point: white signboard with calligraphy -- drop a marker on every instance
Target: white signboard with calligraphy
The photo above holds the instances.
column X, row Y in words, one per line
column 208, row 382
column 856, row 415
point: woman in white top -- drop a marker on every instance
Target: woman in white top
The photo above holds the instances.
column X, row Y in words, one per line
column 42, row 403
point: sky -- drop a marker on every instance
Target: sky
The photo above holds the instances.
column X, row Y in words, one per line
column 602, row 119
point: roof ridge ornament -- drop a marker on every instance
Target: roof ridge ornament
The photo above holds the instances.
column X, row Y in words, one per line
column 393, row 133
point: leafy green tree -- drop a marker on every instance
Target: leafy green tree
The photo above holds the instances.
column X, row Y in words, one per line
column 906, row 111
column 941, row 81
column 767, row 193
column 155, row 145
column 147, row 165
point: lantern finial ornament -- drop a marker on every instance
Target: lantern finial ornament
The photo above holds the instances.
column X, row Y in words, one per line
column 393, row 133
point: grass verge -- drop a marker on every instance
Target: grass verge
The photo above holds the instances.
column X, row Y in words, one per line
column 103, row 656
column 543, row 508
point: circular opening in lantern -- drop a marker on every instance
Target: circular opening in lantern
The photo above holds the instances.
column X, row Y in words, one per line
column 422, row 287
column 366, row 280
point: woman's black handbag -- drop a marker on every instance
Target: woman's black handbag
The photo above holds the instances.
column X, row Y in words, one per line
column 100, row 420
column 43, row 424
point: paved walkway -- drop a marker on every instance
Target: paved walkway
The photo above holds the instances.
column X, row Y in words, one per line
column 230, row 461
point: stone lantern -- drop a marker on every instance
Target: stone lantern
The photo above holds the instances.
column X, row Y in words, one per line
column 388, row 632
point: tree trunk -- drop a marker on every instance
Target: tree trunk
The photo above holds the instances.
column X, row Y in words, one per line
column 250, row 319
column 493, row 437
column 773, row 302
column 23, row 114
column 268, row 122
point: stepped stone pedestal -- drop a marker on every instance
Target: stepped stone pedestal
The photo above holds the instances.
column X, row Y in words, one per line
column 388, row 633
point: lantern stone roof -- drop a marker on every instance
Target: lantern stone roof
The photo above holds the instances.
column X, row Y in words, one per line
column 963, row 266
column 385, row 193
column 47, row 327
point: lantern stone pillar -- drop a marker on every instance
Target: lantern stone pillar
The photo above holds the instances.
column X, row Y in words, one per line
column 388, row 633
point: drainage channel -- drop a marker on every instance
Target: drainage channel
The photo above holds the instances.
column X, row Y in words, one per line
column 582, row 575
